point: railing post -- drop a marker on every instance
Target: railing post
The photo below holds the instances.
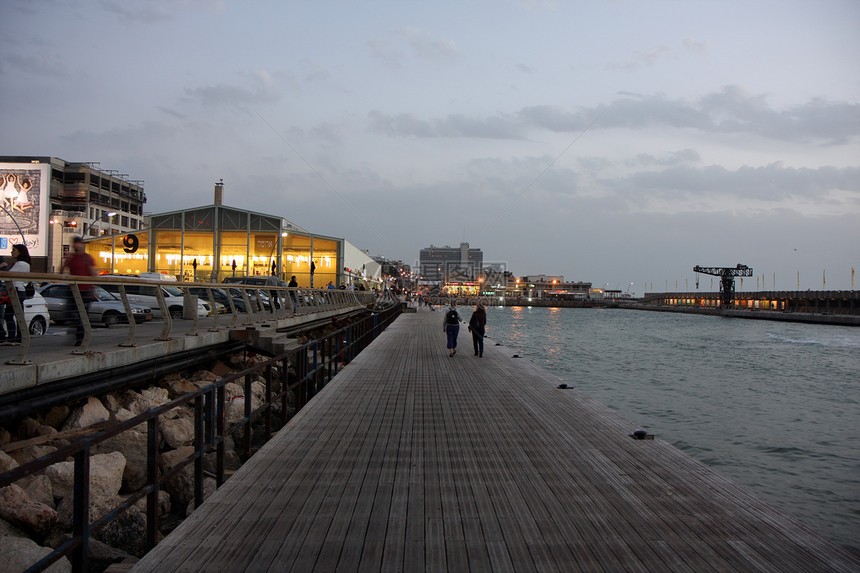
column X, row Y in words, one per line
column 268, row 418
column 199, row 449
column 152, row 480
column 221, row 394
column 248, row 415
column 81, row 510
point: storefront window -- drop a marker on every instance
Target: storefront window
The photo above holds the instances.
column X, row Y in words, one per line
column 234, row 254
column 263, row 254
column 168, row 250
column 296, row 258
column 198, row 247
column 325, row 260
column 120, row 254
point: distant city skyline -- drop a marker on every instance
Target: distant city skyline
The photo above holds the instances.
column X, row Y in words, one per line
column 609, row 141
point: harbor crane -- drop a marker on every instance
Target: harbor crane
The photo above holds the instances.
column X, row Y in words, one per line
column 727, row 280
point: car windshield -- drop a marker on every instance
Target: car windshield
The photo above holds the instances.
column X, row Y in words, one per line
column 173, row 291
column 102, row 294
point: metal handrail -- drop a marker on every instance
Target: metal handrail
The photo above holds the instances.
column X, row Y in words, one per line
column 315, row 364
column 262, row 303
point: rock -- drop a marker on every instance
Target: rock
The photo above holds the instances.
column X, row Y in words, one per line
column 100, row 555
column 113, row 402
column 181, row 486
column 132, row 445
column 234, row 410
column 231, row 390
column 105, row 476
column 209, row 487
column 7, row 462
column 232, row 461
column 9, row 530
column 39, row 489
column 5, row 437
column 93, row 412
column 30, row 453
column 157, row 395
column 30, row 428
column 178, row 432
column 127, row 531
column 20, row 553
column 203, row 378
column 181, row 387
column 56, row 416
column 163, row 504
column 221, row 370
column 20, row 510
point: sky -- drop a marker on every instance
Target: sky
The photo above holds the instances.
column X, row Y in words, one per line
column 619, row 142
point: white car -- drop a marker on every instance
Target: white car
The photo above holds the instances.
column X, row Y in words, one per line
column 36, row 314
column 146, row 295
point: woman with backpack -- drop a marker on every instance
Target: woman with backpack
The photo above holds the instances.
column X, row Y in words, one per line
column 451, row 326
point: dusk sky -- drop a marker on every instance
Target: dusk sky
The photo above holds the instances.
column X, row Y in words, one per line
column 613, row 142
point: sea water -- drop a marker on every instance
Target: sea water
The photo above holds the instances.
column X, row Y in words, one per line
column 774, row 406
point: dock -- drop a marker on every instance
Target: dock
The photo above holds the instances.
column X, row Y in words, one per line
column 411, row 460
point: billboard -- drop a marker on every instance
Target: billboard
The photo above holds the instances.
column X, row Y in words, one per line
column 24, row 204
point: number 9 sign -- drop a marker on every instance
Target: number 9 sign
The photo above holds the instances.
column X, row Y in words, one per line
column 131, row 243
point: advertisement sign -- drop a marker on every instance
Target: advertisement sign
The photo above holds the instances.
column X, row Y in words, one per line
column 24, row 204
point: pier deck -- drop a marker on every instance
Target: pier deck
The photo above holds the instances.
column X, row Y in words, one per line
column 410, row 461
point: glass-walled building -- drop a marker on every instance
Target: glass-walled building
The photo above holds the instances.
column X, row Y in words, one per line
column 211, row 243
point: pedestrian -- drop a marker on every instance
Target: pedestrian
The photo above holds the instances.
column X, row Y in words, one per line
column 20, row 264
column 293, row 284
column 451, row 326
column 477, row 326
column 80, row 263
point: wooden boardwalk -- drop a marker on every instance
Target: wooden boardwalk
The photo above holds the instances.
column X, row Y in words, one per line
column 413, row 461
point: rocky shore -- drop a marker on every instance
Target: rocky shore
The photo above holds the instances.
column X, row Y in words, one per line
column 36, row 511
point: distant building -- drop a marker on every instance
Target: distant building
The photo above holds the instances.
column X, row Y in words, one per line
column 50, row 200
column 548, row 286
column 450, row 264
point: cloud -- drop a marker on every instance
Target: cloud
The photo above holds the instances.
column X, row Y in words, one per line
column 731, row 110
column 641, row 59
column 452, row 126
column 259, row 87
column 153, row 11
column 415, row 42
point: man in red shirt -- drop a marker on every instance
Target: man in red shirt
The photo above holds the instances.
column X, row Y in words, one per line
column 80, row 263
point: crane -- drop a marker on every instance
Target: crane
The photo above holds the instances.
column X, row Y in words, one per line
column 727, row 280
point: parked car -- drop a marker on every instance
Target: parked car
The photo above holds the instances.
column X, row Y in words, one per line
column 35, row 313
column 147, row 295
column 105, row 308
column 221, row 298
column 262, row 294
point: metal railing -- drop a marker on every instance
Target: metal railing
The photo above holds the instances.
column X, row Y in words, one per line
column 302, row 371
column 242, row 306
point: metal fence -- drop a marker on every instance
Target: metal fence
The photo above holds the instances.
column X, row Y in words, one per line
column 302, row 372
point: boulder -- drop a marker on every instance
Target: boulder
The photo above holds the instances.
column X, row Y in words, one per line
column 92, row 412
column 163, row 504
column 9, row 530
column 180, row 387
column 178, row 432
column 39, row 489
column 30, row 428
column 100, row 555
column 19, row 553
column 5, row 437
column 209, row 487
column 157, row 395
column 127, row 531
column 231, row 390
column 30, row 453
column 132, row 445
column 203, row 378
column 7, row 462
column 105, row 476
column 56, row 416
column 221, row 370
column 20, row 510
column 181, row 486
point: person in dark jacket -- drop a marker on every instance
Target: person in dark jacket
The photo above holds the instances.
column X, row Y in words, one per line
column 477, row 326
column 451, row 326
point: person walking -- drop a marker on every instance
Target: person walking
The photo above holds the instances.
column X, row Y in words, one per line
column 477, row 326
column 451, row 326
column 20, row 258
column 80, row 263
column 293, row 284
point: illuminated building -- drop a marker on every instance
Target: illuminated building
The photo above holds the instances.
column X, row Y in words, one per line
column 450, row 264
